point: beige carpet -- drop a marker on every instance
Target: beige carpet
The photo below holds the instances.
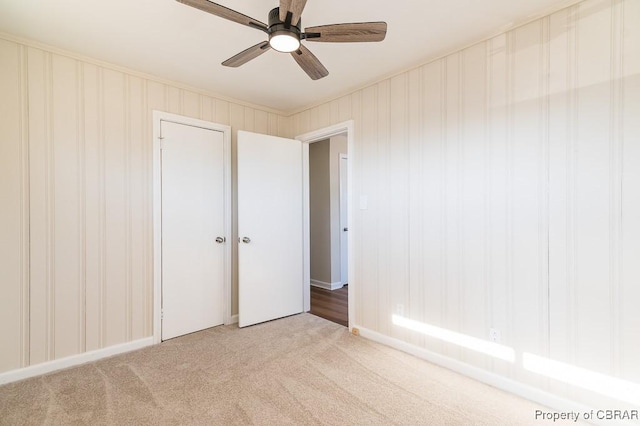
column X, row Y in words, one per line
column 295, row 371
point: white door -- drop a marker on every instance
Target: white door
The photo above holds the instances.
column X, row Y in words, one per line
column 192, row 191
column 344, row 222
column 270, row 221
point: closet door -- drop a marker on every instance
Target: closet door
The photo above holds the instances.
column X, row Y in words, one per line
column 193, row 200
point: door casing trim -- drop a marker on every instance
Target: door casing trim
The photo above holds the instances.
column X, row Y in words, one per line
column 158, row 117
column 342, row 188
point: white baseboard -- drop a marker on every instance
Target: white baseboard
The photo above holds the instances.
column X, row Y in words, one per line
column 234, row 319
column 73, row 360
column 520, row 389
column 327, row 286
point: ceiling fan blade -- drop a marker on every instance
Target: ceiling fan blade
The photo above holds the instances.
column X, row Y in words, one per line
column 226, row 13
column 247, row 55
column 295, row 7
column 309, row 63
column 347, row 33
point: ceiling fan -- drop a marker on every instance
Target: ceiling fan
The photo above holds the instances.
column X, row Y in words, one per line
column 285, row 34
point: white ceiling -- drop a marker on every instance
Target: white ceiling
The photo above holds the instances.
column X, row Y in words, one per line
column 177, row 42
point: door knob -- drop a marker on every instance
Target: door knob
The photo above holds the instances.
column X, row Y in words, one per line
column 246, row 240
column 219, row 240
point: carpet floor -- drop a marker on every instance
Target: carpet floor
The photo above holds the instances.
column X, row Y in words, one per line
column 300, row 370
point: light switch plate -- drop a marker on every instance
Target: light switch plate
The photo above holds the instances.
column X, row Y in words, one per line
column 364, row 202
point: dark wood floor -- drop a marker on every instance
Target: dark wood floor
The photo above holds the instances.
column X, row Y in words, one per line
column 331, row 305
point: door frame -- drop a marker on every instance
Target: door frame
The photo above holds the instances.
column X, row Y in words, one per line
column 158, row 118
column 341, row 173
column 346, row 127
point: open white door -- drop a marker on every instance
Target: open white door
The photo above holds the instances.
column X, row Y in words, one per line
column 270, row 228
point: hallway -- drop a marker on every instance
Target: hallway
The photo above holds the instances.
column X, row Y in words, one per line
column 331, row 305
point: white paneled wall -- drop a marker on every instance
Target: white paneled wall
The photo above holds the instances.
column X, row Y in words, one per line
column 14, row 208
column 628, row 128
column 504, row 191
column 75, row 187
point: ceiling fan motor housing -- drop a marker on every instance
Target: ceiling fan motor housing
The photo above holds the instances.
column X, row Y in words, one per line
column 278, row 27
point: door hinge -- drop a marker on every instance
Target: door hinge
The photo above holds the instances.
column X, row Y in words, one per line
column 161, row 313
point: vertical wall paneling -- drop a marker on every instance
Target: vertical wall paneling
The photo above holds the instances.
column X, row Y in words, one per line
column 115, row 245
column 399, row 196
column 76, row 153
column 138, row 140
column 50, row 199
column 629, row 292
column 313, row 118
column 191, row 105
column 156, row 97
column 558, row 198
column 127, row 210
column 543, row 187
column 322, row 115
column 249, row 120
column 102, row 215
column 40, row 229
column 508, row 171
column 368, row 283
column 527, row 275
column 272, row 124
column 379, row 204
column 615, row 181
column 473, row 193
column 593, row 172
column 92, row 207
column 285, row 127
column 356, row 186
column 324, row 111
column 344, row 108
column 222, row 112
column 563, row 144
column 147, row 225
column 432, row 194
column 334, row 113
column 261, row 120
column 65, row 208
column 509, row 127
column 207, row 108
column 486, row 201
column 305, row 120
column 174, row 98
column 415, row 298
column 497, row 163
column 452, row 186
column 12, row 193
column 25, row 206
column 81, row 212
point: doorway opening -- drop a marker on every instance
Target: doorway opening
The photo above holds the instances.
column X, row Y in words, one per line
column 328, row 222
column 328, row 228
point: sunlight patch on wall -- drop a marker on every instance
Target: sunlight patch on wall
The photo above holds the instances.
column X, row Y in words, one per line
column 596, row 382
column 489, row 348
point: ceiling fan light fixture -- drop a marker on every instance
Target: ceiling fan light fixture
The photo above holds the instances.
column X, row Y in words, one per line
column 284, row 41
